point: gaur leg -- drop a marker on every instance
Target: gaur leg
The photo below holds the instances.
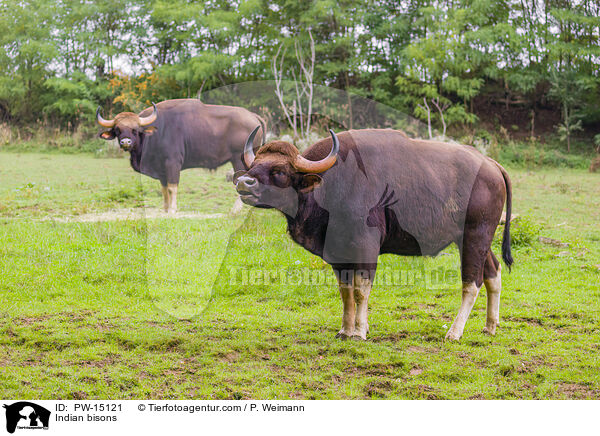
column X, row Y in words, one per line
column 469, row 295
column 362, row 289
column 493, row 286
column 172, row 189
column 237, row 206
column 476, row 244
column 172, row 170
column 481, row 220
column 346, row 283
column 355, row 287
column 166, row 201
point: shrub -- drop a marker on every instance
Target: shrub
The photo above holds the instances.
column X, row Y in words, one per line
column 532, row 156
column 524, row 233
column 121, row 193
column 6, row 136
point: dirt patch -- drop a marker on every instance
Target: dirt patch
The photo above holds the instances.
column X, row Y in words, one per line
column 131, row 214
column 110, row 360
column 530, row 365
column 378, row 369
column 394, row 337
column 550, row 241
column 230, row 357
column 528, row 320
column 30, row 320
column 418, row 349
column 378, row 389
column 159, row 325
column 415, row 371
column 63, row 316
column 579, row 391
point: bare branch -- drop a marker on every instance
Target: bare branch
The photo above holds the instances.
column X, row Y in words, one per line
column 308, row 72
column 278, row 74
column 441, row 110
column 304, row 86
column 199, row 93
column 428, row 115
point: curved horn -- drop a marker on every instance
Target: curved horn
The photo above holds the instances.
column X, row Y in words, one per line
column 144, row 121
column 102, row 121
column 310, row 166
column 248, row 148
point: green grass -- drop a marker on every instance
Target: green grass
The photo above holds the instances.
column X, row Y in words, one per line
column 169, row 308
column 40, row 185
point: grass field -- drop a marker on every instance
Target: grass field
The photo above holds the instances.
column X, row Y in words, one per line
column 173, row 308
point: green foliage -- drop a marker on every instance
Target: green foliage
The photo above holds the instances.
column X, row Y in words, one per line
column 525, row 232
column 58, row 61
column 71, row 101
column 121, row 193
column 532, row 155
column 569, row 88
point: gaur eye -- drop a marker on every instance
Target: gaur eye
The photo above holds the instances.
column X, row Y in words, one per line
column 280, row 178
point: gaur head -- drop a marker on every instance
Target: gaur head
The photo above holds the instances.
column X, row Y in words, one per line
column 129, row 128
column 278, row 173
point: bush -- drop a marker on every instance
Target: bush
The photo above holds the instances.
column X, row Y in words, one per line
column 41, row 138
column 121, row 193
column 524, row 233
column 6, row 136
column 533, row 156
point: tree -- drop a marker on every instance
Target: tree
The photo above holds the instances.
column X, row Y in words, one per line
column 568, row 90
column 303, row 83
column 26, row 53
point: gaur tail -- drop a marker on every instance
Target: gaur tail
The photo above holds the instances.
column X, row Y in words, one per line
column 506, row 253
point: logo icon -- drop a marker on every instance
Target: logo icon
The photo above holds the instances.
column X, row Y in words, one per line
column 26, row 415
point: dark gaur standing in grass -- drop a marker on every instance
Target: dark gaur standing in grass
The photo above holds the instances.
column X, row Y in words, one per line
column 350, row 198
column 178, row 134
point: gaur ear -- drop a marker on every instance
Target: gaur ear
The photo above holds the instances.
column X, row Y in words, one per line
column 310, row 182
column 107, row 135
column 148, row 131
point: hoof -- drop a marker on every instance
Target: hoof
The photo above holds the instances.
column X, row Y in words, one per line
column 359, row 338
column 491, row 331
column 452, row 336
column 343, row 336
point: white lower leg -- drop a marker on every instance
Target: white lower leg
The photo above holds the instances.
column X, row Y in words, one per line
column 362, row 290
column 349, row 315
column 493, row 288
column 469, row 295
column 237, row 206
column 172, row 189
column 165, row 193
